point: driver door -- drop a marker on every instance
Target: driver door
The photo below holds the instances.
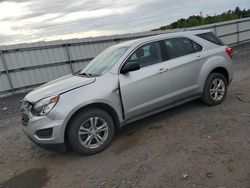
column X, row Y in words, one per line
column 149, row 88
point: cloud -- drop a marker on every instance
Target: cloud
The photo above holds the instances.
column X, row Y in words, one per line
column 33, row 20
column 17, row 1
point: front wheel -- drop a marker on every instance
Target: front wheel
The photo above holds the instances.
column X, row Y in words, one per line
column 215, row 89
column 91, row 131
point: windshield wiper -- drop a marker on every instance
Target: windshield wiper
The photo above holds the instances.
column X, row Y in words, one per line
column 79, row 73
column 85, row 74
column 76, row 73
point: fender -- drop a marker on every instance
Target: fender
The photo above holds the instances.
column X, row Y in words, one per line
column 111, row 109
column 209, row 65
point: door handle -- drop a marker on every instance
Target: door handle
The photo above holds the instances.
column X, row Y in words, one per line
column 199, row 57
column 162, row 70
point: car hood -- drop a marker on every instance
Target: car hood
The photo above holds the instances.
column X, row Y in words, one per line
column 58, row 86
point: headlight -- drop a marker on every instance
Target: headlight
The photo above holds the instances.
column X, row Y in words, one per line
column 44, row 106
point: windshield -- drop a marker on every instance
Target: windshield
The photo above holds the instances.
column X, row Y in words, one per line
column 103, row 62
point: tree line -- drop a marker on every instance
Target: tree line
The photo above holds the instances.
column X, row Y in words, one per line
column 200, row 20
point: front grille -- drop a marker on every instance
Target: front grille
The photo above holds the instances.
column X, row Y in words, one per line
column 25, row 109
column 25, row 119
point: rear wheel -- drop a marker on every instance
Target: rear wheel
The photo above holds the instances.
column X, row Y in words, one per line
column 215, row 89
column 91, row 131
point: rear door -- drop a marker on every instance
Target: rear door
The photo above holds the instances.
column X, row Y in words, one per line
column 148, row 88
column 185, row 60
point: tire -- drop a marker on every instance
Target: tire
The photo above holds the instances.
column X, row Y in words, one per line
column 85, row 128
column 210, row 89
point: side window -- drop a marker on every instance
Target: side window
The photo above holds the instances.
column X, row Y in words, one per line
column 211, row 37
column 177, row 47
column 196, row 47
column 146, row 55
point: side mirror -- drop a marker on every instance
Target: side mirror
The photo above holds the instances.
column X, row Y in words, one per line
column 131, row 66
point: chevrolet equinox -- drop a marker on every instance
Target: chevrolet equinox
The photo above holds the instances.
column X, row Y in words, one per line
column 125, row 83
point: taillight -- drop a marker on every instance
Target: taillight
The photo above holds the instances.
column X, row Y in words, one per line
column 229, row 52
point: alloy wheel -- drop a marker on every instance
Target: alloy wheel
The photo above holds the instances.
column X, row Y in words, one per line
column 93, row 132
column 217, row 89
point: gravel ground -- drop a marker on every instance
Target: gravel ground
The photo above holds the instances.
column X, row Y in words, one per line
column 193, row 145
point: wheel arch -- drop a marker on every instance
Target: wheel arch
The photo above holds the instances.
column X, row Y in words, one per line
column 214, row 64
column 223, row 71
column 107, row 108
column 215, row 69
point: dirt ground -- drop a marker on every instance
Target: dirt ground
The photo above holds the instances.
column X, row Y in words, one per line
column 193, row 145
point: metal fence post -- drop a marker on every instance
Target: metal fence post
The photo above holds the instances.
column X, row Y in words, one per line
column 6, row 71
column 69, row 57
column 215, row 30
column 238, row 34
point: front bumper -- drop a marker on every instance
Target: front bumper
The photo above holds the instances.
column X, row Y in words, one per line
column 52, row 147
column 35, row 124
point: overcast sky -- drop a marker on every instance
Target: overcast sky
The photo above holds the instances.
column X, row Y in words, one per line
column 37, row 20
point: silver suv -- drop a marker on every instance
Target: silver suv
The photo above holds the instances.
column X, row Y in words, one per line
column 125, row 83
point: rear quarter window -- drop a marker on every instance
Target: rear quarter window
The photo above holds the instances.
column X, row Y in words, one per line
column 211, row 37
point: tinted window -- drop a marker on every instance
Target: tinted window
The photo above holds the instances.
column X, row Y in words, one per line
column 196, row 47
column 211, row 37
column 146, row 55
column 177, row 47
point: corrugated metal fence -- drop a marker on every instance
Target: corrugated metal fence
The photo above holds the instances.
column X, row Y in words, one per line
column 28, row 65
